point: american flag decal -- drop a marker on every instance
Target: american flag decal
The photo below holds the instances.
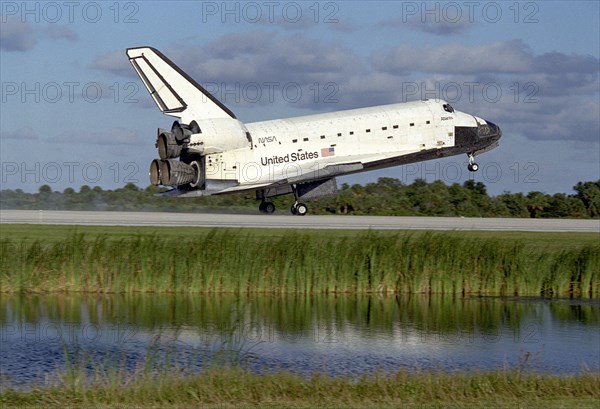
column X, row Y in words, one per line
column 327, row 152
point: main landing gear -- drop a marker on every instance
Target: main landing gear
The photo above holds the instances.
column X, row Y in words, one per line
column 298, row 208
column 472, row 166
column 266, row 207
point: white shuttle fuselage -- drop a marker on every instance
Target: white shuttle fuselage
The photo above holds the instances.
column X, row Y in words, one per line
column 209, row 151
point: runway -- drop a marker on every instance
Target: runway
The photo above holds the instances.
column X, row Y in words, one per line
column 293, row 222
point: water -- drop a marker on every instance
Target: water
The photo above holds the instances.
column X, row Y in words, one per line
column 44, row 335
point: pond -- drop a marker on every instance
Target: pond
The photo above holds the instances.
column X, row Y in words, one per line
column 44, row 335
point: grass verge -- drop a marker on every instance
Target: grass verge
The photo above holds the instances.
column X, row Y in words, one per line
column 235, row 387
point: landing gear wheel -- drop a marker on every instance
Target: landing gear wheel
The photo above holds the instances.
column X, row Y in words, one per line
column 293, row 209
column 472, row 166
column 266, row 207
column 301, row 209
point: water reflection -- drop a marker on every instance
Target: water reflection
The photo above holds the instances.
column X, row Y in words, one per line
column 335, row 334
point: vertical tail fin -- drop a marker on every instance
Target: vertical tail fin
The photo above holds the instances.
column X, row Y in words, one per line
column 174, row 92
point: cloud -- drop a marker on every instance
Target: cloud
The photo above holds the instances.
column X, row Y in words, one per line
column 439, row 26
column 501, row 57
column 251, row 56
column 25, row 133
column 16, row 35
column 288, row 24
column 114, row 136
column 20, row 36
column 558, row 63
column 282, row 65
column 115, row 63
column 305, row 24
column 343, row 26
column 56, row 32
column 237, row 64
column 568, row 118
column 262, row 55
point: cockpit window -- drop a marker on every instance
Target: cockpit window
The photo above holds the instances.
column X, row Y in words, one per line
column 448, row 108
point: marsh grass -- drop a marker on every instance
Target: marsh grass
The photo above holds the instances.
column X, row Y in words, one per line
column 241, row 261
column 234, row 386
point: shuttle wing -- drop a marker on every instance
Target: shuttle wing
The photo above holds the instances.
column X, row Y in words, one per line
column 174, row 92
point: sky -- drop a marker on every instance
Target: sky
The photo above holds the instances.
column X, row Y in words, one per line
column 73, row 111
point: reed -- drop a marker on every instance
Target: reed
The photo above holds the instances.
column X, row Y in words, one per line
column 243, row 261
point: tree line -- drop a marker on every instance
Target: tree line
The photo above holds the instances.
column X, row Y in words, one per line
column 387, row 196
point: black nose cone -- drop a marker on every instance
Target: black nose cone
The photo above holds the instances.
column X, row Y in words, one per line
column 495, row 131
column 489, row 131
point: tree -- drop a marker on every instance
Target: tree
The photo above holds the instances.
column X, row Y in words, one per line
column 589, row 194
column 476, row 187
column 387, row 196
column 479, row 198
column 537, row 202
column 561, row 205
column 45, row 190
column 515, row 203
column 460, row 199
column 131, row 187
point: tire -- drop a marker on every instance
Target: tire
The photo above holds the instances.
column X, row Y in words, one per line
column 474, row 167
column 269, row 208
column 301, row 209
